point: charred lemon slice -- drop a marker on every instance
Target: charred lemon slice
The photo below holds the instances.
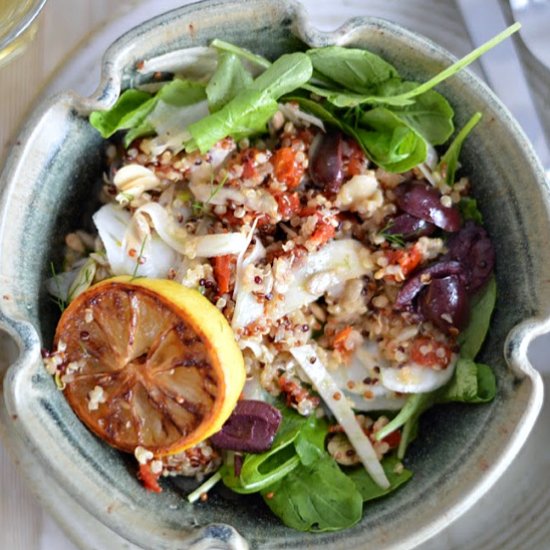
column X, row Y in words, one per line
column 149, row 363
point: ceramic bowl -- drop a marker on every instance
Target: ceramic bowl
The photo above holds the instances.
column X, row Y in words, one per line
column 50, row 184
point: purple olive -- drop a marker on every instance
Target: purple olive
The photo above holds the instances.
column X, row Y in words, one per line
column 325, row 162
column 410, row 227
column 411, row 289
column 472, row 247
column 445, row 303
column 424, row 202
column 250, row 428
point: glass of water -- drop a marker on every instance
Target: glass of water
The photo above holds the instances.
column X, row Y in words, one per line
column 17, row 26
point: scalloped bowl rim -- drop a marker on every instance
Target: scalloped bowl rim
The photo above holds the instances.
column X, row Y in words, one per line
column 13, row 320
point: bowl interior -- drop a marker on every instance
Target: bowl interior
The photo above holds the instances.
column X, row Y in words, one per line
column 457, row 445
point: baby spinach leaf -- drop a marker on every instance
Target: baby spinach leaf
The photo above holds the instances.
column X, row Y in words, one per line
column 316, row 498
column 285, row 75
column 310, row 443
column 369, row 489
column 471, row 383
column 449, row 161
column 430, row 115
column 129, row 111
column 473, row 336
column 245, row 114
column 229, row 79
column 263, row 469
column 469, row 210
column 390, row 142
column 249, row 111
column 357, row 70
column 457, row 66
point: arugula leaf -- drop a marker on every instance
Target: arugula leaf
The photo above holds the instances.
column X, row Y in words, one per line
column 129, row 111
column 229, row 79
column 469, row 210
column 369, row 489
column 391, row 143
column 316, row 498
column 357, row 70
column 473, row 336
column 449, row 161
column 430, row 115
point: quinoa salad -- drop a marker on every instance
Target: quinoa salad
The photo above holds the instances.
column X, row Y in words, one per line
column 303, row 226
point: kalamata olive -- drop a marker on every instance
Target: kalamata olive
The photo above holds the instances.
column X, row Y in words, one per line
column 410, row 227
column 445, row 303
column 251, row 427
column 472, row 247
column 424, row 202
column 410, row 290
column 325, row 162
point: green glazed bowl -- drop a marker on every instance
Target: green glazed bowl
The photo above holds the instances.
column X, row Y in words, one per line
column 49, row 186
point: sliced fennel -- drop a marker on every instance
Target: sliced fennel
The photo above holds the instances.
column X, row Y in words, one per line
column 156, row 257
column 192, row 246
column 415, row 378
column 332, row 396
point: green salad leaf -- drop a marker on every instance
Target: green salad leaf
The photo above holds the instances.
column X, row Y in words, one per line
column 129, row 111
column 469, row 210
column 449, row 161
column 473, row 336
column 357, row 70
column 249, row 111
column 316, row 498
column 430, row 115
column 229, row 80
column 369, row 490
column 390, row 142
column 472, row 383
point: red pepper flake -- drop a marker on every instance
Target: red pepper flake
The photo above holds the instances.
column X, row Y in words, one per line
column 149, row 479
column 203, row 497
column 222, row 272
column 337, row 396
column 269, row 495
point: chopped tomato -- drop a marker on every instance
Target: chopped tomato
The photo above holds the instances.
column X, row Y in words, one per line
column 355, row 166
column 249, row 170
column 149, row 479
column 408, row 259
column 429, row 352
column 288, row 203
column 323, row 233
column 393, row 439
column 287, row 169
column 340, row 338
column 222, row 272
column 307, row 211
